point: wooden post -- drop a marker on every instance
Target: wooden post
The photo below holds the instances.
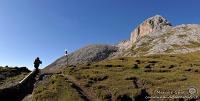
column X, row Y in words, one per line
column 66, row 55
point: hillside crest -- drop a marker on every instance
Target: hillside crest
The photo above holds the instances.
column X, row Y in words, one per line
column 154, row 35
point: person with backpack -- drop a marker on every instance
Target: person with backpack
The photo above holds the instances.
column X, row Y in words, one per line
column 37, row 63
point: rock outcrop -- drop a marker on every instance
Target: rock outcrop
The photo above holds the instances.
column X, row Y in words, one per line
column 179, row 39
column 124, row 45
column 152, row 24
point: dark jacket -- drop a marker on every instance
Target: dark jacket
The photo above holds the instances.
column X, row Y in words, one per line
column 37, row 62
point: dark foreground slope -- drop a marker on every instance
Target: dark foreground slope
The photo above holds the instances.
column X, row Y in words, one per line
column 11, row 87
column 10, row 76
column 129, row 78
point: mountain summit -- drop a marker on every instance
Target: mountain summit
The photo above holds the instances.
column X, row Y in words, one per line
column 152, row 24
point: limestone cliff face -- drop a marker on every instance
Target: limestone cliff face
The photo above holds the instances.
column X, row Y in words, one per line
column 157, row 36
column 152, row 24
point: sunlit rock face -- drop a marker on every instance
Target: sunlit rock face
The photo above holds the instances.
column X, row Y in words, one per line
column 152, row 24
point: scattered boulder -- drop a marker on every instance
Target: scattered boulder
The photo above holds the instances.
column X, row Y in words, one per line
column 124, row 97
column 143, row 96
column 135, row 66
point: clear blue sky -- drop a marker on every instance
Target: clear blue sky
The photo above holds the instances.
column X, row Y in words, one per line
column 45, row 28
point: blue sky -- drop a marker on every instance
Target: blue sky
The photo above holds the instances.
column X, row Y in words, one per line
column 45, row 28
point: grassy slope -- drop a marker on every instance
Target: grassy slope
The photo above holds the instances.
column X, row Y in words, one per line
column 126, row 77
column 56, row 88
column 116, row 77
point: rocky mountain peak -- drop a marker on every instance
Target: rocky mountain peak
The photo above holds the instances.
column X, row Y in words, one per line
column 150, row 25
column 154, row 36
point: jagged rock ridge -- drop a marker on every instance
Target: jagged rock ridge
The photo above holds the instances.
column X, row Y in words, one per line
column 179, row 39
column 152, row 24
column 156, row 35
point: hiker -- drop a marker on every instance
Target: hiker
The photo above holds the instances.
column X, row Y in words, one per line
column 37, row 63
